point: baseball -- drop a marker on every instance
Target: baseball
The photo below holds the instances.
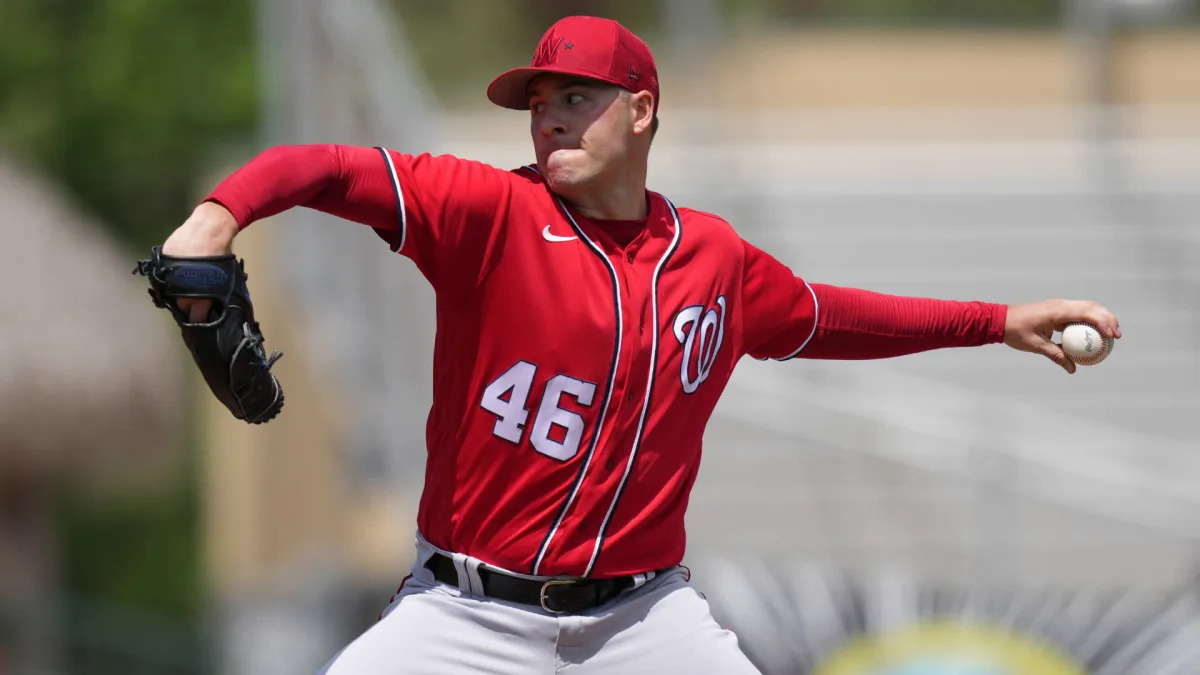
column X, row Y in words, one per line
column 1084, row 344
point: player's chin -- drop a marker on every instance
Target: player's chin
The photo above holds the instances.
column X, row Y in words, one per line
column 566, row 168
column 563, row 180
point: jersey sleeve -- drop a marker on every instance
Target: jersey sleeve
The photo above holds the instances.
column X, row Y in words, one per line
column 785, row 317
column 779, row 310
column 448, row 214
column 861, row 324
column 441, row 211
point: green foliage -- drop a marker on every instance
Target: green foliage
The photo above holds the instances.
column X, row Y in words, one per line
column 976, row 12
column 124, row 102
column 136, row 550
column 462, row 44
column 898, row 12
column 131, row 571
column 122, row 99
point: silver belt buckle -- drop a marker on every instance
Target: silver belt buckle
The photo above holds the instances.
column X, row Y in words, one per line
column 548, row 584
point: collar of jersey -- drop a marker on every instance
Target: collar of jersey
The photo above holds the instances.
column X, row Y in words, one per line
column 660, row 222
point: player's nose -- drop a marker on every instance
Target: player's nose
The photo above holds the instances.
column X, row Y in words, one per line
column 550, row 127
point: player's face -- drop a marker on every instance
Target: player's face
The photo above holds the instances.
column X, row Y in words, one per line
column 582, row 130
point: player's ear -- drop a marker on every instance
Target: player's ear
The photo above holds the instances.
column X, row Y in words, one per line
column 642, row 112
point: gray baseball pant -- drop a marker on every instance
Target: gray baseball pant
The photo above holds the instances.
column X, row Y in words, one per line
column 661, row 626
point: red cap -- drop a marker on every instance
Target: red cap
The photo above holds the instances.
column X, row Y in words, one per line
column 587, row 46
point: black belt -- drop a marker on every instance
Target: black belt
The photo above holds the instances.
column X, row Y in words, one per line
column 558, row 596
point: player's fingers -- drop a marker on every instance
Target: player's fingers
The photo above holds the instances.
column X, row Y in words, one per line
column 1105, row 322
column 197, row 309
column 1055, row 353
column 1099, row 316
column 1107, row 326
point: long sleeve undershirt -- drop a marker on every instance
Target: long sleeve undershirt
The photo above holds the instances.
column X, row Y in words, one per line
column 858, row 324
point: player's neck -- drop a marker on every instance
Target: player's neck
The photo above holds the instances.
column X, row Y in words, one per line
column 623, row 199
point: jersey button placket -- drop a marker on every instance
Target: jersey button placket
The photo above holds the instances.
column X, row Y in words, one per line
column 629, row 256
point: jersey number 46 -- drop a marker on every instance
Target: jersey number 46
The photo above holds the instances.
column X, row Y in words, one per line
column 507, row 396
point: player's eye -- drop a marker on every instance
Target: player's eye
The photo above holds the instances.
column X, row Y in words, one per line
column 537, row 107
column 574, row 98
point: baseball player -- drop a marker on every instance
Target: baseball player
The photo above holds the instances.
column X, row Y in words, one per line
column 586, row 327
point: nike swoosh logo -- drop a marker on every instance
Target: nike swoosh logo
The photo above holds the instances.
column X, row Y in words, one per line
column 554, row 237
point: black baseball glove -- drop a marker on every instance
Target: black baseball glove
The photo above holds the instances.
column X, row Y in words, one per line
column 228, row 345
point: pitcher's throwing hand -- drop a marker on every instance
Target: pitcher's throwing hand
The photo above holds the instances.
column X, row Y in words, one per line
column 1029, row 327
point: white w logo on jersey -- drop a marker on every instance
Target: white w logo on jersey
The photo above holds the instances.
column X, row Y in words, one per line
column 703, row 331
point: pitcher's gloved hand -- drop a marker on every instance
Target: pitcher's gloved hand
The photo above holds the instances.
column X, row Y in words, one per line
column 227, row 344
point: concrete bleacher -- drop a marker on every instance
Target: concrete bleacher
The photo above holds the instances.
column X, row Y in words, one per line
column 1018, row 248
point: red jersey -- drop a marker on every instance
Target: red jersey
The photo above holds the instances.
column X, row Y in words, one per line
column 574, row 372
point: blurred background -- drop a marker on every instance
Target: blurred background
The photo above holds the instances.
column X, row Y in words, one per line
column 968, row 511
